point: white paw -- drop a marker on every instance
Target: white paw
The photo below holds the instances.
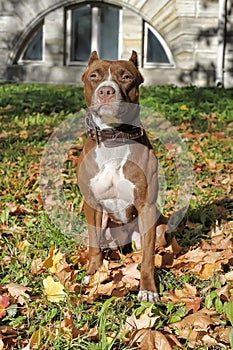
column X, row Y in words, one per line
column 146, row 295
column 86, row 279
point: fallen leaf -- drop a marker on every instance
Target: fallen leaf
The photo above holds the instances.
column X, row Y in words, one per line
column 100, row 276
column 36, row 266
column 144, row 321
column 148, row 339
column 9, row 335
column 23, row 244
column 4, row 303
column 54, row 290
column 131, row 275
column 229, row 276
column 53, row 259
column 68, row 325
column 190, row 325
column 18, row 291
column 208, row 270
column 37, row 336
column 1, row 343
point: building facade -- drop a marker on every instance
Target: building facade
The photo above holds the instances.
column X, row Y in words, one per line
column 180, row 42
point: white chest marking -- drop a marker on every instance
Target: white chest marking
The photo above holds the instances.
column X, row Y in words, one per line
column 110, row 187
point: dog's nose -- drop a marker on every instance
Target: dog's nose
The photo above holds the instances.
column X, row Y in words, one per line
column 106, row 93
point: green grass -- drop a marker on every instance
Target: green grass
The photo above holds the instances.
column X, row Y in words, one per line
column 28, row 116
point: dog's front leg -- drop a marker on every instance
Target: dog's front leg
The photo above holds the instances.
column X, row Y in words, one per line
column 94, row 222
column 147, row 229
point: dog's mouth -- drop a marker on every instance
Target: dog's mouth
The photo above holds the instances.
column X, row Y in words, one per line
column 109, row 112
column 116, row 113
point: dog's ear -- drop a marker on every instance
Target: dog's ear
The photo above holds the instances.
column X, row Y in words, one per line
column 93, row 57
column 134, row 58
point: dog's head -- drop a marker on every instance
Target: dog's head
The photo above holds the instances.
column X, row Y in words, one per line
column 110, row 85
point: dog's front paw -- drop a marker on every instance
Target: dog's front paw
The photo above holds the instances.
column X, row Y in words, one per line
column 86, row 279
column 146, row 295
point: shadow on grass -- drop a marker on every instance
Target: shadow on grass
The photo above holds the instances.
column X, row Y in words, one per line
column 198, row 222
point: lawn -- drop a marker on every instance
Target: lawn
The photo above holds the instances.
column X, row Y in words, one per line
column 43, row 254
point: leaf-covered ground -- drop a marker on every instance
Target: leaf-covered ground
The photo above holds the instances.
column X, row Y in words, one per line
column 43, row 304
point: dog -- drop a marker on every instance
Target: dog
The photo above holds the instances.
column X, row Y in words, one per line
column 117, row 169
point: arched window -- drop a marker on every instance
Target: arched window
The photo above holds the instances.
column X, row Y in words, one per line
column 33, row 49
column 93, row 27
column 156, row 51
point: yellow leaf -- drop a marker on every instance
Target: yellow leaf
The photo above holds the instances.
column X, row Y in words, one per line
column 23, row 134
column 54, row 290
column 109, row 340
column 23, row 244
column 56, row 259
column 49, row 261
column 184, row 108
column 53, row 260
column 207, row 271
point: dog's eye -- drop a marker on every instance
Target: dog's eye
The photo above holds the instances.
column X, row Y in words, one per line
column 126, row 76
column 93, row 76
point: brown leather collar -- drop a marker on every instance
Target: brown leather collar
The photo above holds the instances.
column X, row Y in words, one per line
column 113, row 136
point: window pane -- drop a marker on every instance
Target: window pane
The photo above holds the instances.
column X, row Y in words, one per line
column 34, row 49
column 81, row 34
column 155, row 51
column 109, row 32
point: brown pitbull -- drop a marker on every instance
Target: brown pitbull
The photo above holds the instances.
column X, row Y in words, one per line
column 118, row 171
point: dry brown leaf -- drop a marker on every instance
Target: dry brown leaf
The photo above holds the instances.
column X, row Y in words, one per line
column 106, row 289
column 187, row 291
column 223, row 334
column 144, row 321
column 9, row 335
column 190, row 326
column 186, row 295
column 67, row 326
column 206, row 259
column 37, row 336
column 147, row 339
column 170, row 297
column 131, row 275
column 193, row 304
column 229, row 276
column 224, row 293
column 207, row 340
column 36, row 266
column 4, row 303
column 101, row 275
column 1, row 343
column 81, row 257
column 18, row 291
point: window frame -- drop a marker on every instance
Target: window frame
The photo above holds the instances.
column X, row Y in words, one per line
column 146, row 64
column 94, row 32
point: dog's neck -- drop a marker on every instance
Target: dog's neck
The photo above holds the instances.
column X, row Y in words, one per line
column 112, row 135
